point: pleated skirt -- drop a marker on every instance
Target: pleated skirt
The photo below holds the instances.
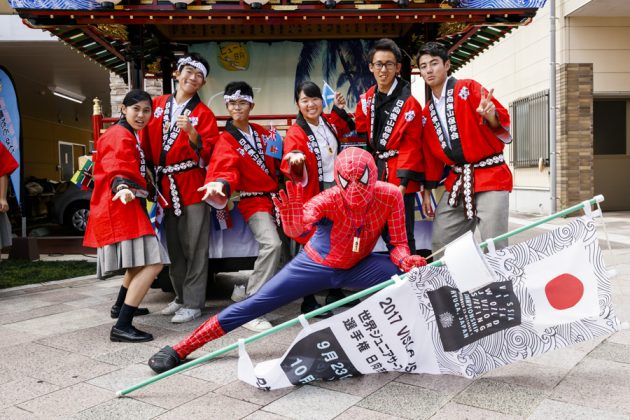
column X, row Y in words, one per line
column 138, row 252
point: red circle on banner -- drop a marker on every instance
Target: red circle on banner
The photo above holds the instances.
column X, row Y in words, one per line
column 564, row 291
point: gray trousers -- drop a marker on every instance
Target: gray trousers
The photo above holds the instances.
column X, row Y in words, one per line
column 264, row 228
column 187, row 240
column 492, row 219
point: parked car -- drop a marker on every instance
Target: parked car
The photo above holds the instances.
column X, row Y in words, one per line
column 71, row 207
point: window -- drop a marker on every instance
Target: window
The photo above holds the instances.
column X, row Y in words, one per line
column 610, row 126
column 530, row 130
column 68, row 159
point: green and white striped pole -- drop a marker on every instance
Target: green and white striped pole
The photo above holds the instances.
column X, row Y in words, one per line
column 358, row 295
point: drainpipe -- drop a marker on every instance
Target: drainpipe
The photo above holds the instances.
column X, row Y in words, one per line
column 552, row 106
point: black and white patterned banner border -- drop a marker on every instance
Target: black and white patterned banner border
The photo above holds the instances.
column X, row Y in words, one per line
column 524, row 341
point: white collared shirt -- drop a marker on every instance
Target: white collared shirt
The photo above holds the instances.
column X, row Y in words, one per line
column 249, row 136
column 391, row 89
column 440, row 107
column 327, row 146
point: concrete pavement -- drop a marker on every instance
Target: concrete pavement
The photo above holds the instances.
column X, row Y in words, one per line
column 57, row 362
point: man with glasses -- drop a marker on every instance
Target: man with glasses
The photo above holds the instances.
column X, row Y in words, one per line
column 389, row 118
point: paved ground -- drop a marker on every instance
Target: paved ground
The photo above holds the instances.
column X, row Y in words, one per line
column 57, row 361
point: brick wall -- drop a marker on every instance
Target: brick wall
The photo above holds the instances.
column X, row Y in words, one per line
column 118, row 90
column 574, row 133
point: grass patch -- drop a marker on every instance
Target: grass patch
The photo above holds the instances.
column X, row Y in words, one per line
column 21, row 272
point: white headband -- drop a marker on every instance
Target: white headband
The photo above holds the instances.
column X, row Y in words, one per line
column 188, row 61
column 236, row 96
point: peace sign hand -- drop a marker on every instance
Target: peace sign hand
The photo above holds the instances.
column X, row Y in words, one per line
column 486, row 108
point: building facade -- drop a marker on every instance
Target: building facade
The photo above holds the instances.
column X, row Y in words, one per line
column 593, row 103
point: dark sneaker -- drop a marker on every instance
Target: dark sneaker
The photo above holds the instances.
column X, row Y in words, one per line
column 306, row 308
column 132, row 335
column 335, row 296
column 165, row 359
column 115, row 311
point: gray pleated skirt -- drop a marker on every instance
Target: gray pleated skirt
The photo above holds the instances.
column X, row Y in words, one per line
column 138, row 252
column 5, row 231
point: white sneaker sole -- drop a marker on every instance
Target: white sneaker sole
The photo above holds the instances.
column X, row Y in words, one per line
column 256, row 329
column 166, row 313
column 184, row 320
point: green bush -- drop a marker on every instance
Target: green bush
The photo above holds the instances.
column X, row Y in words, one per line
column 20, row 272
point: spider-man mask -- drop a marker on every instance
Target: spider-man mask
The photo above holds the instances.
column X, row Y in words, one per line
column 355, row 174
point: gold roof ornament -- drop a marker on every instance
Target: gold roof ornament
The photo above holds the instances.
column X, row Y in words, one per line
column 450, row 28
column 114, row 31
column 154, row 67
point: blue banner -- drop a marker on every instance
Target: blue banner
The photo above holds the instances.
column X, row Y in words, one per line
column 10, row 125
column 328, row 95
column 55, row 4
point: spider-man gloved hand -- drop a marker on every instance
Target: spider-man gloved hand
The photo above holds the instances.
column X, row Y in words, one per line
column 290, row 204
column 412, row 261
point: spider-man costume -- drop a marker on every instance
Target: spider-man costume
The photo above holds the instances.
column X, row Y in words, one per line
column 345, row 223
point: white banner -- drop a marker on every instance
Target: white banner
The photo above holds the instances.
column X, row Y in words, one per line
column 550, row 292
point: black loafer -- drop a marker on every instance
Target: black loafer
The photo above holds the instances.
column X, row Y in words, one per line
column 165, row 359
column 115, row 311
column 334, row 297
column 305, row 308
column 134, row 335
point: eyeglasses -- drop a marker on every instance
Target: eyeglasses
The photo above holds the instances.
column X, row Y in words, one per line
column 390, row 65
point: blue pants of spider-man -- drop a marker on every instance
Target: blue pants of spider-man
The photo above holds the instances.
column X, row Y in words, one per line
column 302, row 276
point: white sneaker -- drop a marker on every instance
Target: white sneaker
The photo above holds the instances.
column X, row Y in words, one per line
column 171, row 308
column 238, row 293
column 185, row 314
column 258, row 325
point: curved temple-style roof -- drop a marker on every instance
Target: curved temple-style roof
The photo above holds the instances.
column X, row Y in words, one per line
column 103, row 34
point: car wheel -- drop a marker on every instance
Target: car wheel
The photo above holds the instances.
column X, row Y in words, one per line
column 76, row 217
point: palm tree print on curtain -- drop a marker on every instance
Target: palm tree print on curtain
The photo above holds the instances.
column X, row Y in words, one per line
column 344, row 66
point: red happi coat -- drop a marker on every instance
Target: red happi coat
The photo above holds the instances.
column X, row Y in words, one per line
column 181, row 151
column 297, row 139
column 477, row 140
column 118, row 156
column 234, row 163
column 404, row 136
column 7, row 163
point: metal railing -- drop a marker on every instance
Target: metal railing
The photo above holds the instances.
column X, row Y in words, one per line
column 281, row 122
column 530, row 130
